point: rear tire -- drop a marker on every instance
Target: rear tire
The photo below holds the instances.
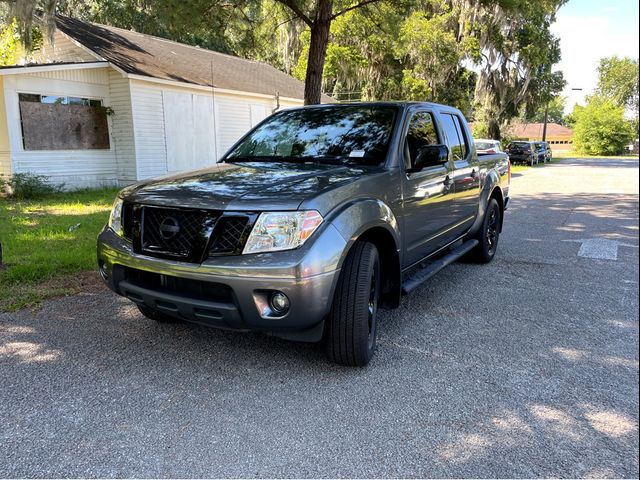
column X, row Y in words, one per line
column 488, row 235
column 351, row 326
column 156, row 315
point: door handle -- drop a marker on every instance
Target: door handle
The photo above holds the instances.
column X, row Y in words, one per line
column 474, row 174
column 447, row 181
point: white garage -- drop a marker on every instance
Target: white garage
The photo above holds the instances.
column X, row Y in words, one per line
column 106, row 106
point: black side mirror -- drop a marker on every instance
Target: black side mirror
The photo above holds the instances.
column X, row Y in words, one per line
column 430, row 156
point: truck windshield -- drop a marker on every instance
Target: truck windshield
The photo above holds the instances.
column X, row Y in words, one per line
column 334, row 134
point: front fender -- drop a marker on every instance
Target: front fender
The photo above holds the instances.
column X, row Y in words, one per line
column 360, row 216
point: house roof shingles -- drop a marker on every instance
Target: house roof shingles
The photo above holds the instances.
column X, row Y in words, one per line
column 533, row 131
column 146, row 55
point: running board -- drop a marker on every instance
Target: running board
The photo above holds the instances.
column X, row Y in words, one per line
column 434, row 267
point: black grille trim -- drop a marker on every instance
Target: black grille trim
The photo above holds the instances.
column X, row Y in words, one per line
column 127, row 220
column 231, row 234
column 202, row 233
column 188, row 242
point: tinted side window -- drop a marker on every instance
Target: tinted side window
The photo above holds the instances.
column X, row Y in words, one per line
column 422, row 131
column 451, row 131
column 461, row 136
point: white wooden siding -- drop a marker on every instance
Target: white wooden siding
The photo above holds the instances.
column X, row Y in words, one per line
column 5, row 163
column 188, row 121
column 5, row 156
column 258, row 113
column 175, row 128
column 149, row 131
column 63, row 49
column 94, row 76
column 75, row 168
column 233, row 120
column 122, row 135
column 154, row 128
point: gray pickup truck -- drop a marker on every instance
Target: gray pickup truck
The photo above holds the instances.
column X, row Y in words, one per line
column 314, row 219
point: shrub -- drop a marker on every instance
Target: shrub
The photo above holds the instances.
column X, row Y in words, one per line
column 26, row 186
column 600, row 128
column 480, row 130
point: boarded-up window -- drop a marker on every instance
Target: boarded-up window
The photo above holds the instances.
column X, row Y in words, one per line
column 63, row 123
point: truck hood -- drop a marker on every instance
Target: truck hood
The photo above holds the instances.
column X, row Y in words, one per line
column 248, row 186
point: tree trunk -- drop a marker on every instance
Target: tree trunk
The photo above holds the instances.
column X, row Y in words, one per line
column 494, row 129
column 317, row 52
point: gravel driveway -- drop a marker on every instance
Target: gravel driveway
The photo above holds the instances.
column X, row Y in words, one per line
column 526, row 367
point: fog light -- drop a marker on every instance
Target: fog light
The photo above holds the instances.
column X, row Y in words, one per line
column 279, row 302
column 103, row 270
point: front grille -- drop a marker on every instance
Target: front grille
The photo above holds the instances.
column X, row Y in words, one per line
column 174, row 232
column 229, row 236
column 185, row 234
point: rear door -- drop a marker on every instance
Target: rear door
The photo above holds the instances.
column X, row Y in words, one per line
column 427, row 194
column 466, row 175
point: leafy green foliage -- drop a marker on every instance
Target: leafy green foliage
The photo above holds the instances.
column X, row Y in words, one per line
column 600, row 128
column 480, row 130
column 518, row 51
column 32, row 18
column 10, row 44
column 377, row 49
column 618, row 81
column 26, row 186
column 555, row 113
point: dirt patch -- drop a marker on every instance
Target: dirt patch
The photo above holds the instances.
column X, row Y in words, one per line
column 31, row 295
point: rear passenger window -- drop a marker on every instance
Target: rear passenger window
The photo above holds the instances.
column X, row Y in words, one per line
column 452, row 127
column 462, row 138
column 421, row 132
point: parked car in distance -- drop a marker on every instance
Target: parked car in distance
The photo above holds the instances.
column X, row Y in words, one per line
column 311, row 222
column 544, row 151
column 523, row 152
column 485, row 146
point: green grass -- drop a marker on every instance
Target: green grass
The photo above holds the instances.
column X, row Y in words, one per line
column 45, row 242
column 519, row 167
column 573, row 154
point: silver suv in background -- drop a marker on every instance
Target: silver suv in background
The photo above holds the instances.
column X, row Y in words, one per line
column 487, row 146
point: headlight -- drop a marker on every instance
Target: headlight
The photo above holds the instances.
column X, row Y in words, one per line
column 276, row 231
column 115, row 219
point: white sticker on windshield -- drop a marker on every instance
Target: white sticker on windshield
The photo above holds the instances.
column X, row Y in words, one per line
column 357, row 153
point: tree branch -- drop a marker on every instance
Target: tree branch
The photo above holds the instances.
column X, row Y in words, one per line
column 352, row 7
column 293, row 6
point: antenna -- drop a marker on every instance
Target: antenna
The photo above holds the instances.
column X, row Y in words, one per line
column 277, row 103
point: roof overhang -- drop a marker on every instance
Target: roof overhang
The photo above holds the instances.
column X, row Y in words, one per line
column 50, row 67
column 203, row 88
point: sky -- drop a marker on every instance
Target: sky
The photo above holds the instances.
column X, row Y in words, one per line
column 590, row 30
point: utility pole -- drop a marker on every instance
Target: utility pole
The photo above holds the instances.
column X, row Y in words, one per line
column 546, row 119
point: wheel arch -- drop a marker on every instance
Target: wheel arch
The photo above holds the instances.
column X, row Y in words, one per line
column 491, row 190
column 389, row 263
column 371, row 220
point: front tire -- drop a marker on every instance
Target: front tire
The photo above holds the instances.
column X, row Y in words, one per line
column 351, row 326
column 489, row 234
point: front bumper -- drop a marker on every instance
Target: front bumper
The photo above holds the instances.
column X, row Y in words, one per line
column 516, row 158
column 231, row 292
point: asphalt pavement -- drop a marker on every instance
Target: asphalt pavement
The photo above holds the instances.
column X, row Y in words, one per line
column 526, row 367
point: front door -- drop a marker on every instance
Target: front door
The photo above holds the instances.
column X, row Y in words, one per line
column 427, row 194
